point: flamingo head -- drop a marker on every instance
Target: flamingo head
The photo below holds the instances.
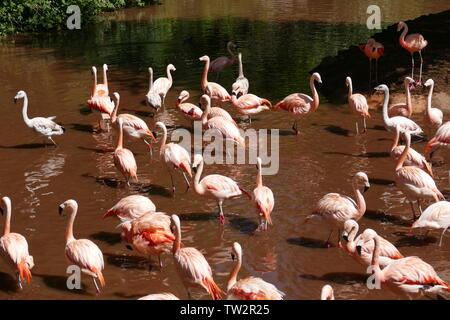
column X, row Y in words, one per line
column 235, row 88
column 205, row 100
column 381, row 87
column 348, row 81
column 198, row 158
column 429, row 82
column 232, row 45
column 94, row 70
column 171, row 67
column 204, row 58
column 409, row 80
column 67, row 204
column 366, row 236
column 236, row 251
column 400, row 26
column 361, row 179
column 20, row 95
column 258, row 163
column 105, row 67
column 174, row 222
column 316, row 76
column 184, row 95
column 349, row 225
column 116, row 95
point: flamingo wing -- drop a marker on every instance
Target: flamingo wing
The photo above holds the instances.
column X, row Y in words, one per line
column 340, row 207
column 359, row 103
column 124, row 158
column 252, row 288
column 297, row 103
column 46, row 126
column 161, row 85
column 86, row 254
column 264, row 201
column 221, row 186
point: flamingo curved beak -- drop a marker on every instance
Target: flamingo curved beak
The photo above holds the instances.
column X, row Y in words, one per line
column 1, row 211
column 345, row 236
column 233, row 257
column 366, row 187
column 61, row 210
column 359, row 249
column 15, row 100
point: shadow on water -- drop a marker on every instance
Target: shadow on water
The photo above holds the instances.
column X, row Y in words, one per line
column 82, row 127
column 198, row 216
column 8, row 283
column 29, row 146
column 107, row 237
column 60, row 283
column 129, row 262
column 85, row 110
column 308, row 242
column 364, row 155
column 410, row 240
column 338, row 130
column 145, row 114
column 386, row 218
column 102, row 151
column 378, row 127
column 382, row 182
column 345, row 278
column 243, row 225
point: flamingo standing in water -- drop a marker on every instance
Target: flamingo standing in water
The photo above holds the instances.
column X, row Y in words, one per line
column 413, row 158
column 226, row 128
column 436, row 216
column 333, row 209
column 215, row 186
column 150, row 234
column 373, row 50
column 388, row 252
column 159, row 296
column 82, row 252
column 299, row 104
column 152, row 99
column 175, row 157
column 14, row 248
column 432, row 116
column 327, row 293
column 241, row 85
column 403, row 109
column 132, row 125
column 124, row 159
column 414, row 42
column 192, row 266
column 44, row 126
column 250, row 288
column 250, row 104
column 218, row 64
column 358, row 103
column 190, row 111
column 131, row 207
column 407, row 277
column 440, row 139
column 415, row 183
column 263, row 199
column 162, row 85
column 216, row 92
column 403, row 123
column 100, row 101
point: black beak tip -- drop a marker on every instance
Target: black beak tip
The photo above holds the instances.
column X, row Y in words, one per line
column 60, row 209
column 359, row 249
column 366, row 188
column 194, row 169
column 15, row 100
column 129, row 247
column 345, row 237
column 233, row 257
column 1, row 211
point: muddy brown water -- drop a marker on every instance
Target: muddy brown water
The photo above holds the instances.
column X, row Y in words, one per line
column 54, row 68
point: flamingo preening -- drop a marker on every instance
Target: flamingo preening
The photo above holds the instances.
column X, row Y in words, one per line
column 432, row 116
column 44, row 126
column 300, row 104
column 215, row 186
column 373, row 50
column 189, row 110
column 215, row 91
column 131, row 207
column 82, row 252
column 192, row 266
column 358, row 103
column 250, row 288
column 14, row 247
column 436, row 216
column 403, row 109
column 414, row 42
column 152, row 99
column 241, row 85
column 162, row 85
column 124, row 159
column 263, row 199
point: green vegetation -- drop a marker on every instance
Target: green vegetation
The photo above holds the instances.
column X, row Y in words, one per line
column 43, row 15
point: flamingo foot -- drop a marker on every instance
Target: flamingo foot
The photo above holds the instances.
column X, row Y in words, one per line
column 327, row 245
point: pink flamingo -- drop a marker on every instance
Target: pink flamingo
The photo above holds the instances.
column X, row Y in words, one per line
column 436, row 216
column 14, row 248
column 415, row 183
column 132, row 125
column 131, row 207
column 216, row 111
column 217, row 93
column 226, row 128
column 327, row 293
column 403, row 109
column 373, row 50
column 192, row 266
column 440, row 139
column 432, row 116
column 299, row 104
column 162, row 85
column 124, row 159
column 82, row 252
column 406, row 277
column 160, row 296
column 250, row 104
column 100, row 101
column 218, row 64
column 414, row 42
column 263, row 200
column 152, row 99
column 250, row 288
column 333, row 209
column 413, row 158
column 190, row 111
column 150, row 234
column 241, row 85
column 388, row 252
column 358, row 103
column 215, row 186
column 175, row 157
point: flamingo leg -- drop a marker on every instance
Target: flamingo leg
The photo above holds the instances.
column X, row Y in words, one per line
column 221, row 215
column 420, row 207
column 50, row 138
column 339, row 238
column 365, row 128
column 357, row 129
column 412, row 208
column 173, row 185
column 150, row 147
column 442, row 235
column 421, row 63
column 96, row 285
column 294, row 127
column 412, row 62
column 188, row 185
column 189, row 294
column 160, row 262
column 327, row 243
column 19, row 281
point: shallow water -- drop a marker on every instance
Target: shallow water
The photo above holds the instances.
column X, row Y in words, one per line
column 280, row 43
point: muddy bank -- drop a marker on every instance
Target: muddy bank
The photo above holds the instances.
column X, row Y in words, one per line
column 395, row 65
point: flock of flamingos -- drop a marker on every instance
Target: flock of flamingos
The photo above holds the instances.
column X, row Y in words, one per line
column 153, row 233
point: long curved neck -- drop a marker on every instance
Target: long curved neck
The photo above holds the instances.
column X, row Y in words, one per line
column 25, row 111
column 403, row 35
column 352, row 234
column 385, row 107
column 359, row 200
column 376, row 255
column 150, row 80
column 232, row 54
column 241, row 69
column 408, row 99
column 205, row 75
column 105, row 78
column 69, row 230
column 163, row 140
column 197, row 187
column 114, row 114
column 95, row 83
column 315, row 94
column 350, row 89
column 205, row 114
column 177, row 243
column 402, row 158
column 430, row 95
column 7, row 227
column 120, row 141
column 169, row 75
column 397, row 136
column 233, row 275
column 259, row 177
